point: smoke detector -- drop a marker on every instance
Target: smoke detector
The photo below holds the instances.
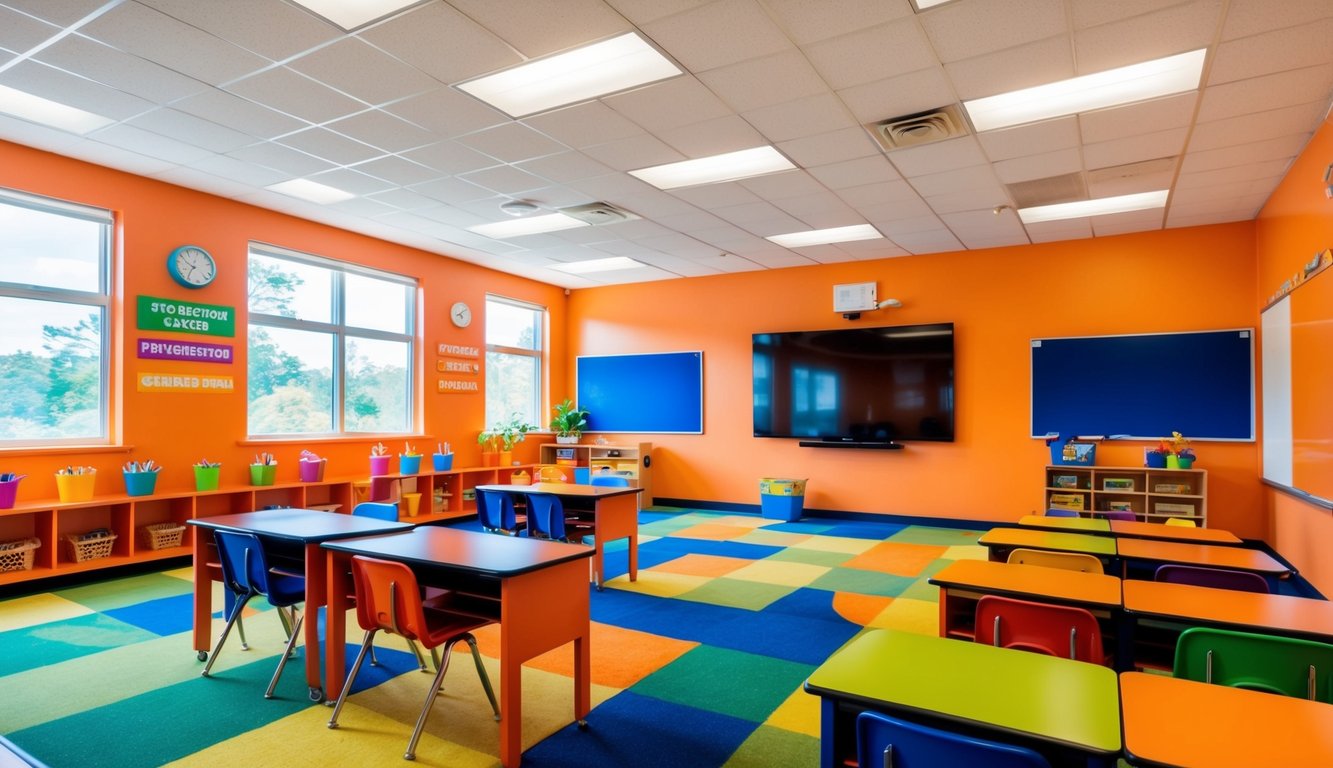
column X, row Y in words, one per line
column 598, row 213
column 518, row 207
column 921, row 128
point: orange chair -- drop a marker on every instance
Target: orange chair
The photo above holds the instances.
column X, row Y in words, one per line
column 388, row 599
column 1069, row 561
column 1055, row 630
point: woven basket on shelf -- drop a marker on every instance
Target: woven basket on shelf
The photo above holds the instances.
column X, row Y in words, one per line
column 81, row 550
column 161, row 535
column 18, row 555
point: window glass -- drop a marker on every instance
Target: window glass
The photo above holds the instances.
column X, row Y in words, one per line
column 290, row 381
column 50, row 249
column 378, row 390
column 290, row 289
column 513, row 361
column 376, row 304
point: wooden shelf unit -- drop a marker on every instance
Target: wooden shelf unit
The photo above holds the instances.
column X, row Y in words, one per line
column 1153, row 495
column 50, row 520
column 633, row 461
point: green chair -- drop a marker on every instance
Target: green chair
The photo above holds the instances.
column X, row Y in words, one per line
column 1282, row 665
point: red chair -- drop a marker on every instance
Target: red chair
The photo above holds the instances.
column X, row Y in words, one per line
column 388, row 599
column 1055, row 630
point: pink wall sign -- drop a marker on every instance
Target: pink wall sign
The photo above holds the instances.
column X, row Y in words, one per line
column 196, row 351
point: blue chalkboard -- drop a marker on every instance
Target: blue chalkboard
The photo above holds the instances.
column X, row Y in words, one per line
column 661, row 393
column 1147, row 386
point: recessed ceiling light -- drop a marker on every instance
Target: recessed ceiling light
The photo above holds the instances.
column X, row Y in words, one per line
column 585, row 73
column 598, row 265
column 351, row 15
column 1125, row 85
column 822, row 236
column 731, row 166
column 532, row 225
column 922, row 5
column 39, row 110
column 312, row 191
column 1100, row 207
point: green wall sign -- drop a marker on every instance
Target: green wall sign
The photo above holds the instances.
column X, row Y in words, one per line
column 185, row 317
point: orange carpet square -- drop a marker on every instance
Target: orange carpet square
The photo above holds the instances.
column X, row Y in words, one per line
column 702, row 565
column 896, row 558
column 858, row 608
column 620, row 657
column 711, row 531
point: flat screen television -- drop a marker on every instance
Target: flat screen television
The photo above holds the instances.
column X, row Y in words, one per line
column 856, row 385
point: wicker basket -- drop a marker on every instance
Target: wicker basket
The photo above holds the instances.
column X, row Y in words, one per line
column 161, row 535
column 18, row 555
column 82, row 550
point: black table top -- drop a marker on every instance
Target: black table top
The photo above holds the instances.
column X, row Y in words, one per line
column 304, row 525
column 485, row 554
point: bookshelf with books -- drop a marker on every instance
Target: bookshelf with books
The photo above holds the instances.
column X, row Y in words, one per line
column 632, row 461
column 1152, row 495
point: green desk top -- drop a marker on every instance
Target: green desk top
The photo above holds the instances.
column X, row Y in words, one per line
column 1089, row 524
column 1043, row 697
column 1031, row 538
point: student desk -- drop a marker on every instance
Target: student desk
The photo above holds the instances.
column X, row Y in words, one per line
column 964, row 582
column 1173, row 723
column 1076, row 524
column 1001, row 541
column 1153, row 551
column 1173, row 533
column 290, row 529
column 537, row 590
column 1057, row 706
column 615, row 516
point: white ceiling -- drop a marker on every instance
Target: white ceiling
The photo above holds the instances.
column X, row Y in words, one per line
column 228, row 96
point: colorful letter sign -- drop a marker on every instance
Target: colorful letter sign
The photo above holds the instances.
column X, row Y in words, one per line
column 186, row 317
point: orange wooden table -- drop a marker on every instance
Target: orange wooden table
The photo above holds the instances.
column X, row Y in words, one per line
column 964, row 582
column 1183, row 724
column 1094, row 525
column 1231, row 609
column 1206, row 555
column 1173, row 533
column 538, row 590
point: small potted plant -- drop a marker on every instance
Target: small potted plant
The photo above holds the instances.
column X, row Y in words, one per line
column 569, row 422
column 1155, row 458
column 1182, row 455
column 499, row 439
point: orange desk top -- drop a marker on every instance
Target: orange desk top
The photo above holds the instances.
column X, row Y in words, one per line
column 1296, row 615
column 1173, row 532
column 1070, row 586
column 1200, row 554
column 1223, row 727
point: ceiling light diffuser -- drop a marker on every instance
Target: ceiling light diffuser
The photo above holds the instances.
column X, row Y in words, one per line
column 531, row 225
column 39, row 110
column 311, row 191
column 1136, row 82
column 823, row 236
column 350, row 15
column 1100, row 207
column 731, row 166
column 582, row 74
column 598, row 265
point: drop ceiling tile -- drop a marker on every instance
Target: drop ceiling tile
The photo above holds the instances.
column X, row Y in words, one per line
column 442, row 42
column 1176, row 29
column 971, row 177
column 832, row 147
column 273, row 30
column 633, row 153
column 1194, row 196
column 870, row 250
column 678, row 245
column 239, row 114
column 867, row 55
column 761, row 218
column 963, row 30
column 788, row 184
column 1257, row 126
column 454, row 217
column 292, row 93
column 565, row 167
column 934, row 241
column 34, row 135
column 503, row 179
column 817, row 212
column 668, row 104
column 1053, row 231
column 975, row 242
column 512, row 143
column 803, row 117
column 730, row 238
column 824, row 254
column 1039, row 166
column 20, row 32
column 557, row 196
column 1250, row 17
column 779, row 258
column 192, row 130
column 717, row 34
column 60, row 13
column 854, row 173
column 149, row 144
column 643, row 11
column 447, row 113
column 938, row 157
column 1136, row 119
column 982, row 199
column 584, row 125
column 1126, row 223
column 1130, row 184
column 1286, row 147
column 809, row 22
column 635, row 229
column 1258, row 94
column 281, row 158
column 62, row 87
column 456, row 192
column 115, row 157
column 725, row 264
column 907, row 208
column 711, row 197
column 691, row 221
column 352, row 181
column 173, row 44
column 650, row 202
column 331, row 146
column 1031, row 139
column 1092, row 13
column 897, row 227
column 539, row 27
column 359, row 69
column 903, row 95
column 363, row 207
column 614, row 187
column 712, row 137
column 879, row 192
column 1201, row 220
column 205, row 182
column 1292, row 48
column 119, row 70
column 1135, row 149
column 238, row 170
column 397, row 170
column 383, row 130
column 1025, row 66
column 404, row 199
column 764, row 81
column 1249, row 172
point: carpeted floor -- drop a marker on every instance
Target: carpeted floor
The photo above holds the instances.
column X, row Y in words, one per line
column 698, row 664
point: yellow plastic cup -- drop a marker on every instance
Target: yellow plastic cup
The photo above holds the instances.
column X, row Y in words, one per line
column 412, row 501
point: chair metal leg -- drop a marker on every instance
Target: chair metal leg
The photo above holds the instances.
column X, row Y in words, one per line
column 286, row 654
column 240, row 628
column 366, row 644
column 286, row 622
column 231, row 621
column 411, row 753
column 421, row 660
column 481, row 672
column 374, row 662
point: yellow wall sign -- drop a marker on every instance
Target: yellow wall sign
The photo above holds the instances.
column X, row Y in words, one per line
column 184, row 382
column 457, row 366
column 457, row 386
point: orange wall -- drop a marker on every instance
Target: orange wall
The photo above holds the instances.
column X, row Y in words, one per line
column 1294, row 225
column 176, row 429
column 998, row 299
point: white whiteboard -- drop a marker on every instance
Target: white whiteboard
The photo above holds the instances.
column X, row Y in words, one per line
column 1276, row 340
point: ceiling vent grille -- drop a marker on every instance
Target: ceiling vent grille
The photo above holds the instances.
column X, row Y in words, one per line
column 1065, row 188
column 921, row 128
column 597, row 214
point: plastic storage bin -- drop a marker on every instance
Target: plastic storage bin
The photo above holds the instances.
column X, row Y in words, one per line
column 781, row 498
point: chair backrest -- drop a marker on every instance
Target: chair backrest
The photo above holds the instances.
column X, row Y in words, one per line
column 1069, row 561
column 244, row 568
column 1180, row 521
column 388, row 598
column 612, row 481
column 495, row 510
column 1300, row 668
column 1055, row 630
column 546, row 515
column 376, row 509
column 1054, row 512
column 552, row 474
column 1219, row 578
column 887, row 742
column 1121, row 514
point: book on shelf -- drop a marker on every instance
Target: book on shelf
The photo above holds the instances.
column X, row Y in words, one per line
column 1071, row 501
column 1119, row 506
column 1065, row 481
column 1180, row 510
column 1170, row 488
column 1118, row 484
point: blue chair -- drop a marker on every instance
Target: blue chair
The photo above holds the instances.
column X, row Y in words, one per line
column 613, row 481
column 495, row 510
column 245, row 574
column 546, row 519
column 892, row 743
column 1053, row 512
column 1218, row 578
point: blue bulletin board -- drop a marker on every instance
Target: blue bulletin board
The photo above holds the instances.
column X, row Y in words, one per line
column 1145, row 386
column 657, row 393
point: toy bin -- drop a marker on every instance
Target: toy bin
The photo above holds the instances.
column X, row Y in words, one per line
column 781, row 498
column 409, row 464
column 140, row 483
column 379, row 465
column 312, row 471
column 161, row 535
column 206, row 478
column 263, row 474
column 18, row 555
column 73, row 488
column 1072, row 453
column 93, row 545
column 9, row 493
column 443, row 462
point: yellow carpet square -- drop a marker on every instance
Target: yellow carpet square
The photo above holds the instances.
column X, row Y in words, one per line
column 787, row 574
column 769, row 538
column 38, row 609
column 711, row 532
column 798, row 714
column 837, row 544
column 897, row 558
column 966, row 552
column 702, row 565
column 658, row 583
column 744, row 521
column 909, row 615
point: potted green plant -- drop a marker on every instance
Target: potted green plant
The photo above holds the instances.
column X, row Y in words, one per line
column 569, row 422
column 498, row 440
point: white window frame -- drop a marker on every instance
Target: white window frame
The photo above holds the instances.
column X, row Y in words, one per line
column 539, row 354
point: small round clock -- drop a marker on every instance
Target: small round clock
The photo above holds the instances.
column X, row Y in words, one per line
column 460, row 314
column 191, row 266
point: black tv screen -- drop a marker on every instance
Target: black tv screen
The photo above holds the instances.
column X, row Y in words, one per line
column 865, row 385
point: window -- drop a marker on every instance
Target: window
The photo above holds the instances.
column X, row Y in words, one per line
column 513, row 361
column 54, row 298
column 330, row 347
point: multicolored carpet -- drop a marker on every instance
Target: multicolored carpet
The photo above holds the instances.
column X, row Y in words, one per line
column 699, row 663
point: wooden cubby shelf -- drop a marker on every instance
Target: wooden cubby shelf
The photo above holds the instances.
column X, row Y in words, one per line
column 1153, row 495
column 632, row 461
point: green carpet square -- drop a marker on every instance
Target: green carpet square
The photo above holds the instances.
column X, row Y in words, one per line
column 118, row 593
column 728, row 682
column 922, row 589
column 769, row 746
column 46, row 644
column 865, row 582
column 736, row 593
column 811, row 557
column 944, row 537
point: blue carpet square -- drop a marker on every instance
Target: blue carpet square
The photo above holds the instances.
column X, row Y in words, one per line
column 875, row 531
column 165, row 616
column 682, row 546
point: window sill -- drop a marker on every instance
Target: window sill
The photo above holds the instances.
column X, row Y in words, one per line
column 329, row 439
column 57, row 450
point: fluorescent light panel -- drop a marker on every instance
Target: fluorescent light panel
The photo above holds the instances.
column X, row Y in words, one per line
column 582, row 74
column 598, row 265
column 351, row 15
column 36, row 109
column 1100, row 207
column 311, row 191
column 822, row 236
column 731, row 166
column 532, row 225
column 1137, row 82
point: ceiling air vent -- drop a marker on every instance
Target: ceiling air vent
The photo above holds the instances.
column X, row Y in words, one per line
column 921, row 128
column 598, row 213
